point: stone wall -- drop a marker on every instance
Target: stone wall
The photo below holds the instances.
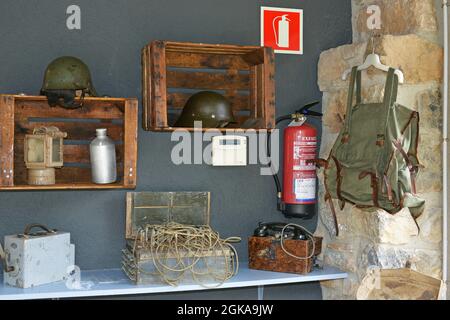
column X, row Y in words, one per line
column 374, row 238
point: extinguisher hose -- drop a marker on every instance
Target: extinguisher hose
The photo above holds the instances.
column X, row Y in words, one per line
column 274, row 175
column 276, row 179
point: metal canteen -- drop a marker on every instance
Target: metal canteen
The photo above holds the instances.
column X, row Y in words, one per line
column 103, row 158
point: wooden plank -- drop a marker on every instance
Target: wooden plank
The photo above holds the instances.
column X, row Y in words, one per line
column 255, row 57
column 128, row 216
column 159, row 88
column 75, row 130
column 6, row 140
column 64, row 175
column 91, row 110
column 177, row 100
column 65, row 186
column 22, row 98
column 239, row 121
column 208, row 80
column 146, row 88
column 260, row 106
column 269, row 88
column 80, row 154
column 233, row 91
column 253, row 97
column 211, row 130
column 207, row 47
column 202, row 60
column 73, row 153
column 130, row 145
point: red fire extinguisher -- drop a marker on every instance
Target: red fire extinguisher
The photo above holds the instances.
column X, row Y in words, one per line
column 298, row 199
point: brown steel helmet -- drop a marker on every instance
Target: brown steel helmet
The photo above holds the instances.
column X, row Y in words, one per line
column 212, row 108
column 65, row 76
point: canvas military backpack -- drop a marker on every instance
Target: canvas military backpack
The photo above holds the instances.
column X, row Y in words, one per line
column 374, row 162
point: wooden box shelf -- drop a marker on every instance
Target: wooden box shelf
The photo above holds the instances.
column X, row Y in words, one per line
column 173, row 71
column 19, row 115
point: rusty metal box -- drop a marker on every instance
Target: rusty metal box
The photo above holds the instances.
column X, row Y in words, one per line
column 265, row 253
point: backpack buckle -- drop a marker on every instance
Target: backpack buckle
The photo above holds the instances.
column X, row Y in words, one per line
column 345, row 138
column 380, row 140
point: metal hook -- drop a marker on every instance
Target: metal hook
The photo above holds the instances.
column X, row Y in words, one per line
column 372, row 38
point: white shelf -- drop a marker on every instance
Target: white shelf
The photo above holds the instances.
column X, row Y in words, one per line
column 111, row 282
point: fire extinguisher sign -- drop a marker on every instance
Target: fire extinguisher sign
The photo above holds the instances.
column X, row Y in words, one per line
column 282, row 29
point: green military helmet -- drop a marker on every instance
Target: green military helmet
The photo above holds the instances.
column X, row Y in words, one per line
column 65, row 76
column 212, row 108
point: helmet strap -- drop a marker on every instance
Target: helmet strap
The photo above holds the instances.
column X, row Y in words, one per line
column 64, row 98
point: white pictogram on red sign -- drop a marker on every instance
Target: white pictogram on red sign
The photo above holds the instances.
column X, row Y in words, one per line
column 282, row 29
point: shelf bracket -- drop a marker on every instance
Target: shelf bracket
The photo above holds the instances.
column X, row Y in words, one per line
column 260, row 293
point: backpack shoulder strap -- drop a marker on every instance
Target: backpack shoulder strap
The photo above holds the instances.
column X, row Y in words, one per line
column 390, row 93
column 390, row 97
column 354, row 80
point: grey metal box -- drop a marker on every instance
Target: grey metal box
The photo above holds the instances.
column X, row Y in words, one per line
column 38, row 259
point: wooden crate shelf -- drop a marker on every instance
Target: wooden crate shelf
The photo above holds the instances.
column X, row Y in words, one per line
column 173, row 71
column 19, row 115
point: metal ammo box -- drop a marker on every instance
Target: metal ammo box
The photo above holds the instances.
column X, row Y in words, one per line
column 155, row 208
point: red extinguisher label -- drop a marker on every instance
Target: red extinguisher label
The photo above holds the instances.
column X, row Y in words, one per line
column 304, row 168
column 305, row 187
column 304, row 153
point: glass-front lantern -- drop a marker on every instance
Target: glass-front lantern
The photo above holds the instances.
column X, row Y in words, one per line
column 43, row 153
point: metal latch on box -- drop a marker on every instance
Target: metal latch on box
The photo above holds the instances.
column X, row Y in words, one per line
column 5, row 261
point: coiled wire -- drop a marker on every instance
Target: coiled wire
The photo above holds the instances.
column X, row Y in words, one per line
column 177, row 249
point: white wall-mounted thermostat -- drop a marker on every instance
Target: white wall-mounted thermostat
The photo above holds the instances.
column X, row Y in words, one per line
column 229, row 151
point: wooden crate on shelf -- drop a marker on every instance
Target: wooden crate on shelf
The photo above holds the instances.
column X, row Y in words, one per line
column 19, row 115
column 173, row 71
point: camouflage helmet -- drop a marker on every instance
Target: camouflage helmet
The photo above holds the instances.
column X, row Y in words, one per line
column 63, row 77
column 212, row 108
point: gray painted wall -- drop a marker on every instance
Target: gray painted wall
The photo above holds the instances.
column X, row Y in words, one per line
column 33, row 32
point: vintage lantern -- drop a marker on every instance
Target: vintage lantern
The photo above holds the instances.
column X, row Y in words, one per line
column 43, row 153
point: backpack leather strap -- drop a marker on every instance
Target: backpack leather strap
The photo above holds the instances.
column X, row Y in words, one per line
column 339, row 182
column 413, row 169
column 373, row 184
column 329, row 199
column 390, row 97
column 388, row 188
column 321, row 163
column 333, row 211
